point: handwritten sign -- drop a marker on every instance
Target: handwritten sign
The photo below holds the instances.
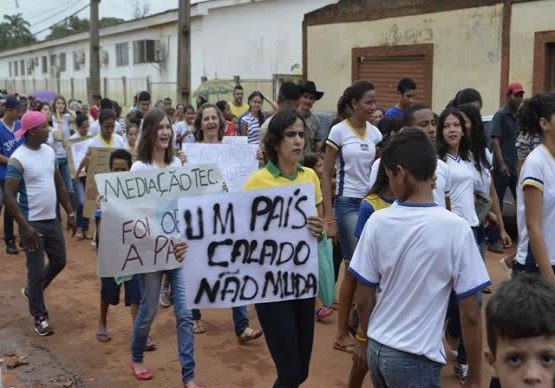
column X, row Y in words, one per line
column 99, row 163
column 235, row 140
column 139, row 216
column 249, row 247
column 77, row 150
column 236, row 162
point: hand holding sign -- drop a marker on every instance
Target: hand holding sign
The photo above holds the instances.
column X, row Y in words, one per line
column 250, row 247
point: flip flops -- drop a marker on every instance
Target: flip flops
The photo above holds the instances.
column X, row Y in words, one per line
column 347, row 348
column 143, row 376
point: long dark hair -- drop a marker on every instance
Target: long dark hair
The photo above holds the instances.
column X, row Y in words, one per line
column 478, row 142
column 279, row 122
column 260, row 114
column 353, row 92
column 535, row 108
column 149, row 133
column 465, row 96
column 464, row 147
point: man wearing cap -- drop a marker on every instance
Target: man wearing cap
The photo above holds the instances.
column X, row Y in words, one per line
column 8, row 144
column 32, row 174
column 504, row 132
column 288, row 98
column 309, row 95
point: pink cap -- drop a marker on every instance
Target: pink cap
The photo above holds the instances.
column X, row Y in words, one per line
column 29, row 121
column 514, row 88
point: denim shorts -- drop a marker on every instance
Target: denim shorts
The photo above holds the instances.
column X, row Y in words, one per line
column 346, row 214
column 394, row 368
column 110, row 291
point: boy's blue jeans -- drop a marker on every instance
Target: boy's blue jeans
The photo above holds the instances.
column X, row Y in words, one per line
column 150, row 290
column 79, row 185
column 391, row 368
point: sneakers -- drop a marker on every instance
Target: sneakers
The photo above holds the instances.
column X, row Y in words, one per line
column 42, row 327
column 461, row 370
column 495, row 247
column 165, row 300
column 11, row 248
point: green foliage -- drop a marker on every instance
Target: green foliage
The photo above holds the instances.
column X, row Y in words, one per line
column 14, row 32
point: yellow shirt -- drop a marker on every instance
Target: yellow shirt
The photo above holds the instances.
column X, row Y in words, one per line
column 238, row 110
column 270, row 176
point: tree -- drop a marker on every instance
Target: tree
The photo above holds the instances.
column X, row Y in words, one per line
column 14, row 32
column 107, row 22
column 141, row 8
column 70, row 26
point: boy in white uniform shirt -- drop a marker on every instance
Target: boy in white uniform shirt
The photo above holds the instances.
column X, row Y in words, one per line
column 428, row 252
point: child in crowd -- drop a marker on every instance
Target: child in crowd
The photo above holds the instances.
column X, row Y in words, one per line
column 521, row 340
column 316, row 162
column 132, row 137
column 415, row 272
column 120, row 161
column 82, row 124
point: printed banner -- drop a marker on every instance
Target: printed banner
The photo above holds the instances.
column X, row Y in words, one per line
column 139, row 225
column 249, row 247
column 236, row 162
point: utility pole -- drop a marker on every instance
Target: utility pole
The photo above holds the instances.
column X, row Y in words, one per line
column 94, row 61
column 184, row 52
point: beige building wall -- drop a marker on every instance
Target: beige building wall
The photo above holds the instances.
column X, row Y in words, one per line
column 528, row 18
column 467, row 52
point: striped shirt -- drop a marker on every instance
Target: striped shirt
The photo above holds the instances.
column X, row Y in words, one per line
column 253, row 127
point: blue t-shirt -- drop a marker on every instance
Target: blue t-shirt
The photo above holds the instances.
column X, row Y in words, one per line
column 394, row 112
column 8, row 144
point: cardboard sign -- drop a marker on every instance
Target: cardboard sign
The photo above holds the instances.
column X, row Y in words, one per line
column 139, row 224
column 99, row 163
column 236, row 162
column 249, row 247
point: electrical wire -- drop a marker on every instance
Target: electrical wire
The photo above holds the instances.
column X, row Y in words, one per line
column 53, row 13
column 64, row 19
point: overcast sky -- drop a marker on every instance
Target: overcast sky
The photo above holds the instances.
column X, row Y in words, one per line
column 43, row 14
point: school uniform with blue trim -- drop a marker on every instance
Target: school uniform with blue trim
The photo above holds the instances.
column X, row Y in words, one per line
column 369, row 205
column 288, row 325
column 415, row 272
column 538, row 171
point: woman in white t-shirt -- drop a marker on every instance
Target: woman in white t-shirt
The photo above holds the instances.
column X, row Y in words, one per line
column 536, row 191
column 155, row 152
column 351, row 149
column 483, row 184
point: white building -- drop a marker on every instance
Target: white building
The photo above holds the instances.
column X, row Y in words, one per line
column 252, row 39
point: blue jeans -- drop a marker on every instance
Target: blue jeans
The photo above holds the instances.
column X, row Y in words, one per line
column 240, row 318
column 390, row 368
column 150, row 290
column 346, row 213
column 79, row 185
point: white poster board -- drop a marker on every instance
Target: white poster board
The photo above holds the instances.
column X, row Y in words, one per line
column 236, row 162
column 139, row 216
column 249, row 247
column 78, row 148
column 235, row 140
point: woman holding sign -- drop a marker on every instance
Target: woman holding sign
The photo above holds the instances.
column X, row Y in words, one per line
column 155, row 152
column 289, row 325
column 210, row 125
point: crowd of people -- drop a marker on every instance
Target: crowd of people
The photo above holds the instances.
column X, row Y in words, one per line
column 410, row 198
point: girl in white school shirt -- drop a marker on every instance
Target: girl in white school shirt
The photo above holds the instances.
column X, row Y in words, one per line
column 536, row 191
column 351, row 149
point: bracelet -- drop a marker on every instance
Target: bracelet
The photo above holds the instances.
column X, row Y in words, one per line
column 329, row 222
column 322, row 234
column 361, row 339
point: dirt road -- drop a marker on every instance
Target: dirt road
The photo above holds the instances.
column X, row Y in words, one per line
column 73, row 357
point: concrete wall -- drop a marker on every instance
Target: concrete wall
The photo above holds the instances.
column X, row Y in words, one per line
column 528, row 18
column 467, row 51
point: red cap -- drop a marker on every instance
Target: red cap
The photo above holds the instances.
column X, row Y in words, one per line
column 514, row 88
column 29, row 121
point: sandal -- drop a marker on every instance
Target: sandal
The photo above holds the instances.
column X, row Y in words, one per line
column 150, row 346
column 249, row 335
column 347, row 348
column 486, row 290
column 146, row 375
column 323, row 312
column 198, row 328
column 103, row 336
